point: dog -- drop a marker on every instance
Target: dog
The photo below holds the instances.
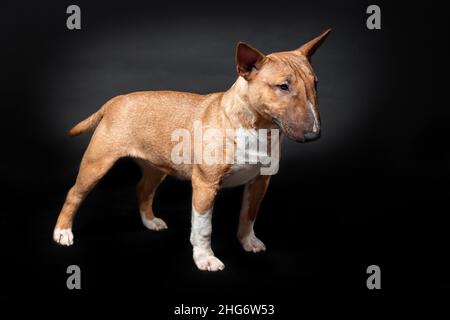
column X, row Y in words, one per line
column 275, row 91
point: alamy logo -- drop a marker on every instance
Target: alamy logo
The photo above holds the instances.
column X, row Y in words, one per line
column 74, row 280
column 227, row 146
column 73, row 21
column 374, row 20
column 374, row 280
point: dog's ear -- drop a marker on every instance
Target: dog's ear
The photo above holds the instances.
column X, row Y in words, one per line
column 247, row 60
column 310, row 47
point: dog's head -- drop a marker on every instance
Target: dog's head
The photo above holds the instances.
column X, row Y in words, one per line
column 282, row 87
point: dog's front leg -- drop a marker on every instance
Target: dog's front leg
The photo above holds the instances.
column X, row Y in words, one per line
column 203, row 194
column 253, row 194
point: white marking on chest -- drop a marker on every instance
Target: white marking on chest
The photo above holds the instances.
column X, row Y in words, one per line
column 240, row 174
column 247, row 167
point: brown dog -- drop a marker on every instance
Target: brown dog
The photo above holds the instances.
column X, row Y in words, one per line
column 273, row 91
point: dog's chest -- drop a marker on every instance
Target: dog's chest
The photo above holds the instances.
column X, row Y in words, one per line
column 242, row 171
column 240, row 174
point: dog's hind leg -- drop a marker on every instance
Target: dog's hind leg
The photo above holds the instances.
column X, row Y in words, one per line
column 151, row 178
column 253, row 194
column 94, row 165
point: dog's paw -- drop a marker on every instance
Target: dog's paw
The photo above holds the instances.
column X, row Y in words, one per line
column 155, row 224
column 209, row 263
column 63, row 236
column 251, row 243
column 205, row 259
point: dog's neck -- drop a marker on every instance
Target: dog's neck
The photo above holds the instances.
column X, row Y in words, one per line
column 237, row 108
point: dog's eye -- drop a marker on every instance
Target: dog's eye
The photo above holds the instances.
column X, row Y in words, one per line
column 283, row 87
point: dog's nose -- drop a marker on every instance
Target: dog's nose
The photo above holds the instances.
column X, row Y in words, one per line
column 311, row 136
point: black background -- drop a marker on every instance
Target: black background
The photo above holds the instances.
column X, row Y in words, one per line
column 372, row 190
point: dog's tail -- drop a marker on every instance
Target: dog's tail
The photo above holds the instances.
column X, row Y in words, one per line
column 88, row 124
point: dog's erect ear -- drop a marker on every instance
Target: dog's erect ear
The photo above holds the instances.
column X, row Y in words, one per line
column 247, row 59
column 310, row 47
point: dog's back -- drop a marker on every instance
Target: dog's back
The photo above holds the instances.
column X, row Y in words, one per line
column 140, row 124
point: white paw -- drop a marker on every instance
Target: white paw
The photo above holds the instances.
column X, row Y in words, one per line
column 209, row 263
column 205, row 260
column 154, row 224
column 63, row 236
column 251, row 243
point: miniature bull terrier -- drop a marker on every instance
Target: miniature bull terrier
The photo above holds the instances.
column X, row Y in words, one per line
column 275, row 91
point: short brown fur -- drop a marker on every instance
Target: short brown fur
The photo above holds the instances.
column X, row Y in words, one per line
column 140, row 125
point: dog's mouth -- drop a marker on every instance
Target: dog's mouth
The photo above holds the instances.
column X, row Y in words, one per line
column 277, row 122
column 286, row 129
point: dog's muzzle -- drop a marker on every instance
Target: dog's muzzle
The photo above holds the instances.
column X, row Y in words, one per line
column 311, row 136
column 305, row 137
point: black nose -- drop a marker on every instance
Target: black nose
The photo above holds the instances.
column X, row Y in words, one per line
column 311, row 136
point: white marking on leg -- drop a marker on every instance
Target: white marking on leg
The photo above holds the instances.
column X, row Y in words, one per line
column 155, row 224
column 201, row 229
column 63, row 236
